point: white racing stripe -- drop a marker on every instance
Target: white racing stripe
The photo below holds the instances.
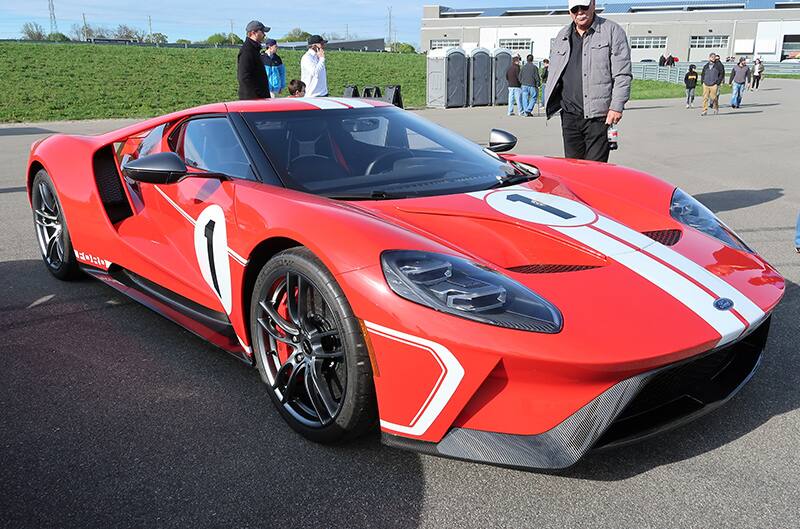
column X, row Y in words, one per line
column 452, row 373
column 353, row 102
column 682, row 289
column 741, row 303
column 321, row 103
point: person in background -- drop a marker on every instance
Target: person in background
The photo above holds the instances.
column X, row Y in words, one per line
column 797, row 236
column 250, row 72
column 757, row 73
column 690, row 80
column 740, row 75
column 545, row 69
column 276, row 71
column 590, row 93
column 529, row 79
column 712, row 76
column 670, row 61
column 662, row 61
column 297, row 88
column 514, row 86
column 312, row 68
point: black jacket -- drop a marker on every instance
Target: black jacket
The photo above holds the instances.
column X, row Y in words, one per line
column 690, row 79
column 713, row 73
column 250, row 71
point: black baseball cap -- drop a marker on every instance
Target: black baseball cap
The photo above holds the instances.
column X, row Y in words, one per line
column 270, row 42
column 255, row 25
column 316, row 39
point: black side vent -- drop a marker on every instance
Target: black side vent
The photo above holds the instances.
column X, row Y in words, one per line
column 549, row 268
column 109, row 184
column 665, row 237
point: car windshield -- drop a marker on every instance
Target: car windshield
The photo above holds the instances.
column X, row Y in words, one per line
column 373, row 153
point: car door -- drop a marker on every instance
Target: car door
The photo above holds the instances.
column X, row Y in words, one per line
column 197, row 213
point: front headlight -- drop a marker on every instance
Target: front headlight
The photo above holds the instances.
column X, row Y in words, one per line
column 463, row 288
column 687, row 210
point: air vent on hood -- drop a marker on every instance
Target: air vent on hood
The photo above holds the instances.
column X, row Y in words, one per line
column 549, row 268
column 665, row 237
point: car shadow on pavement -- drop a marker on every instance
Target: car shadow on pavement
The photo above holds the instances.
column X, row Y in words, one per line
column 771, row 392
column 733, row 199
column 114, row 416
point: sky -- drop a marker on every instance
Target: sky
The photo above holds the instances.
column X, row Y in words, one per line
column 197, row 19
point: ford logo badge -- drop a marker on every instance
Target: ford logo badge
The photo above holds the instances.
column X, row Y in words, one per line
column 723, row 304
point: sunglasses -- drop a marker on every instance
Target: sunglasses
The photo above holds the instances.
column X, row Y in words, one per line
column 575, row 9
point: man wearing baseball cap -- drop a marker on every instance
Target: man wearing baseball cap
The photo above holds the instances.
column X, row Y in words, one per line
column 276, row 71
column 253, row 83
column 312, row 68
column 589, row 81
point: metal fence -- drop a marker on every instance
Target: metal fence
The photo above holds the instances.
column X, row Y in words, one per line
column 675, row 74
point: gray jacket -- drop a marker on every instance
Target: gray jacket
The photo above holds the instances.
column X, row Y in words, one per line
column 529, row 75
column 606, row 68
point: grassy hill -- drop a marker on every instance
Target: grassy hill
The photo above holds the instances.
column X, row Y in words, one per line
column 46, row 82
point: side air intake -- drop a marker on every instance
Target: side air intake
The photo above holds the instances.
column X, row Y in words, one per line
column 109, row 184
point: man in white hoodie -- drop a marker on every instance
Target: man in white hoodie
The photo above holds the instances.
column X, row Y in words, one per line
column 312, row 68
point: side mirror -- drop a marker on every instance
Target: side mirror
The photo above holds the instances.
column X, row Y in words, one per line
column 501, row 141
column 159, row 168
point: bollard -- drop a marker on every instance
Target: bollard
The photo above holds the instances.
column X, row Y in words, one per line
column 393, row 95
column 351, row 91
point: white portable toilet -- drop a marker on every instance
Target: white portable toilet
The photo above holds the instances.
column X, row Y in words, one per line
column 480, row 78
column 501, row 60
column 447, row 78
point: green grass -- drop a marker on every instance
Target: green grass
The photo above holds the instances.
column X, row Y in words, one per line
column 48, row 82
column 782, row 76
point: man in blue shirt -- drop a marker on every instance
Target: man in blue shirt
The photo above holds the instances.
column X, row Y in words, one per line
column 276, row 71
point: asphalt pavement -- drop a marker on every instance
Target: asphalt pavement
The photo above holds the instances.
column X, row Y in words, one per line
column 111, row 416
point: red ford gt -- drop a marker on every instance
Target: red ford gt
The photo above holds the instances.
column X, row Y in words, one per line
column 510, row 309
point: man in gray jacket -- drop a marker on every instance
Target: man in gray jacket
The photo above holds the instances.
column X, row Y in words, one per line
column 529, row 78
column 589, row 81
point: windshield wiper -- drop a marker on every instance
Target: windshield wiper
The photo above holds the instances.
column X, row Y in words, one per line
column 372, row 195
column 523, row 173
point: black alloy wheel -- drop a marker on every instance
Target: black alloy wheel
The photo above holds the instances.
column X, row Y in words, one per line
column 51, row 229
column 310, row 350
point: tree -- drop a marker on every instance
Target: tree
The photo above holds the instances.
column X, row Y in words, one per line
column 183, row 41
column 295, row 35
column 332, row 36
column 126, row 32
column 217, row 39
column 233, row 38
column 57, row 37
column 403, row 47
column 32, row 31
column 156, row 38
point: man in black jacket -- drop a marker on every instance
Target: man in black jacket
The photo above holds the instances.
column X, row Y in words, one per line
column 250, row 71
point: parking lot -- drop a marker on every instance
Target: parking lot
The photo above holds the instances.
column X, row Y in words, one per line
column 111, row 416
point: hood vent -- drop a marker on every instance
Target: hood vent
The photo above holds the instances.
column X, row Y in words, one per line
column 665, row 237
column 549, row 268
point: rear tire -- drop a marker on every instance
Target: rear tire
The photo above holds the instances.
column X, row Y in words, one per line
column 310, row 350
column 51, row 229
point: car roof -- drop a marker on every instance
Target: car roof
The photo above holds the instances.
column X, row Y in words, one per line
column 285, row 104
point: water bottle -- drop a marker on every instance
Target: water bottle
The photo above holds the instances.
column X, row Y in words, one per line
column 613, row 136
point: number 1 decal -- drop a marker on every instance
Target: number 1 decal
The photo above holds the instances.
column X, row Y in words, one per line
column 211, row 247
column 544, row 207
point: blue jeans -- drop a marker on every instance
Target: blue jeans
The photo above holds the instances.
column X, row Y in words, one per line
column 529, row 96
column 736, row 95
column 514, row 94
column 797, row 234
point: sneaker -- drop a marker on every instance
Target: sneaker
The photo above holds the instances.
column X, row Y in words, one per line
column 704, row 112
column 797, row 250
column 687, row 105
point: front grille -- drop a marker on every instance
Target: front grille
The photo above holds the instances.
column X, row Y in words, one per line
column 683, row 389
column 549, row 268
column 665, row 237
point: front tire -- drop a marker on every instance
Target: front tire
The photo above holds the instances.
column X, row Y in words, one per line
column 51, row 229
column 310, row 350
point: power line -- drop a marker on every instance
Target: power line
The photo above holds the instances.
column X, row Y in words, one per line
column 53, row 21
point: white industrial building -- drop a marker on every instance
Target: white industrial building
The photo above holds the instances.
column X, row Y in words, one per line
column 688, row 29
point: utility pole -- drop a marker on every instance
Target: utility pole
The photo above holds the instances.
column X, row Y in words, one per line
column 389, row 36
column 53, row 22
column 85, row 28
column 230, row 35
column 347, row 32
column 150, row 28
